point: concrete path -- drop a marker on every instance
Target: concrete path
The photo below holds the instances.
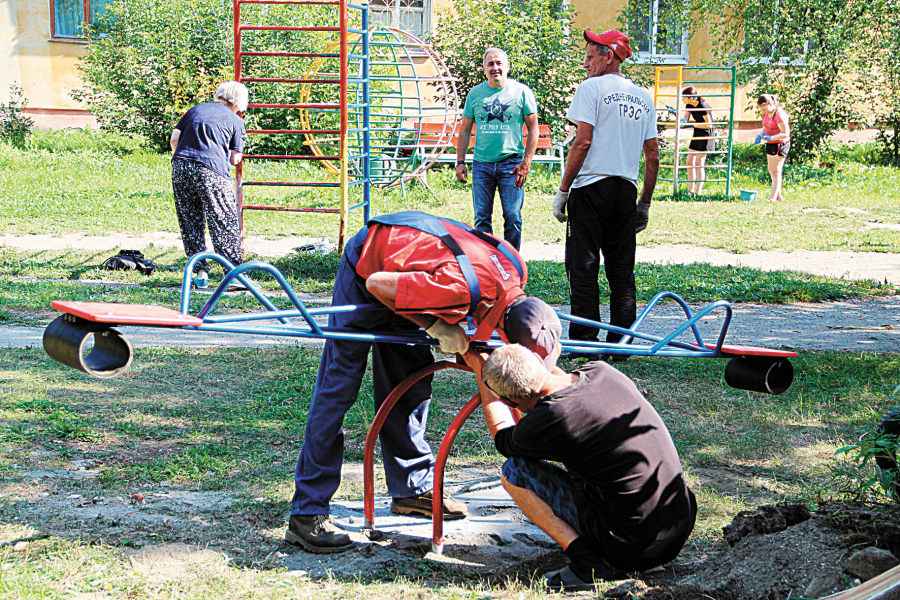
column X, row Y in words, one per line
column 879, row 266
column 855, row 325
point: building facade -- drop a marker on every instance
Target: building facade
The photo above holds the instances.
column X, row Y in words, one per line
column 40, row 43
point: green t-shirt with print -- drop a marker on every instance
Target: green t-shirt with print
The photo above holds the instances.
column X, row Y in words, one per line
column 499, row 115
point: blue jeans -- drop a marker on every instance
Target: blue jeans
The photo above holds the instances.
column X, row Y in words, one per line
column 498, row 176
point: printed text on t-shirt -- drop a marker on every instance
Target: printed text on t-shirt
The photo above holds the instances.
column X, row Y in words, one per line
column 620, row 97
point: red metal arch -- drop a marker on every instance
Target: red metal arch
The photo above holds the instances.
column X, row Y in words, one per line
column 443, row 452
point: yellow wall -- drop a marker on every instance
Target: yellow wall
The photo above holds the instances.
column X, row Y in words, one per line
column 45, row 69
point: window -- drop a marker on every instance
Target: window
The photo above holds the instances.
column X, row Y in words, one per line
column 658, row 32
column 68, row 16
column 411, row 15
column 777, row 46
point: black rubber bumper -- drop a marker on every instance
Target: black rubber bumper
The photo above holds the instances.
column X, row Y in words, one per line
column 765, row 374
column 67, row 340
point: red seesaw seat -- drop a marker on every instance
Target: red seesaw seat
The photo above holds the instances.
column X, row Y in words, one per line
column 126, row 314
column 733, row 350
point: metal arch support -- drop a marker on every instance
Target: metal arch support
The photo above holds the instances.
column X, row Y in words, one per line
column 437, row 501
column 378, row 422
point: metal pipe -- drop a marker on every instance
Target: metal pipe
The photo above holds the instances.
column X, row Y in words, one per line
column 437, row 501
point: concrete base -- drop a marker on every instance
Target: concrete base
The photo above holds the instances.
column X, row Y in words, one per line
column 495, row 539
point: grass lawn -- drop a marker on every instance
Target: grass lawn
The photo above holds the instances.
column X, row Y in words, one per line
column 231, row 422
column 228, row 423
column 96, row 184
column 30, row 280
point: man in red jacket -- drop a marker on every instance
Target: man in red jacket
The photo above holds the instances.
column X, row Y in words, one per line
column 431, row 273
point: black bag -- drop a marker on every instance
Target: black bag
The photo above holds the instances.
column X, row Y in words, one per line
column 130, row 260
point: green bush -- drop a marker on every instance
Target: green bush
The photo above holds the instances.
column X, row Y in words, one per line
column 155, row 59
column 533, row 33
column 152, row 61
column 14, row 126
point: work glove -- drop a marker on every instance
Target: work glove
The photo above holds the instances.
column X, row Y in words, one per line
column 559, row 205
column 762, row 138
column 642, row 218
column 671, row 110
column 683, row 123
column 452, row 337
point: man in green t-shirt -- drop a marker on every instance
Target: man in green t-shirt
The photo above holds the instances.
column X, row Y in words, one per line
column 498, row 108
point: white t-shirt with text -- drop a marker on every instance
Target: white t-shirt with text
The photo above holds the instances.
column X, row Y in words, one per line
column 623, row 116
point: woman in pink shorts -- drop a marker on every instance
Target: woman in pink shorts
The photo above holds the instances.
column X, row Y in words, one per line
column 777, row 135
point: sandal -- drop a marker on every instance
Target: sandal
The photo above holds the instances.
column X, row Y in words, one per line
column 565, row 580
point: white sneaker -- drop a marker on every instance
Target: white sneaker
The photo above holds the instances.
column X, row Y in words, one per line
column 201, row 281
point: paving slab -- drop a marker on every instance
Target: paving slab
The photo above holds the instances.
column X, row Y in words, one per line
column 495, row 538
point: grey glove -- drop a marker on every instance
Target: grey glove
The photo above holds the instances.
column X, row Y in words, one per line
column 559, row 205
column 452, row 337
column 643, row 217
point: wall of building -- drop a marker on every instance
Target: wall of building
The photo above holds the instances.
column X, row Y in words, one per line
column 44, row 68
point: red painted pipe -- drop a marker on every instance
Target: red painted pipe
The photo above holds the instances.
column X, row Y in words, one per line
column 291, row 209
column 437, row 506
column 378, row 422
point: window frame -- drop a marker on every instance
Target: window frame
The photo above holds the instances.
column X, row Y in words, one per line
column 798, row 60
column 72, row 39
column 654, row 57
column 396, row 10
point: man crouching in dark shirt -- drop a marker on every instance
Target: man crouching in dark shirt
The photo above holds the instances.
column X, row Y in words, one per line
column 621, row 503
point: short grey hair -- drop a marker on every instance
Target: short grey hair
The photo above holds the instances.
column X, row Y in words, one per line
column 233, row 93
column 500, row 50
column 514, row 371
column 603, row 49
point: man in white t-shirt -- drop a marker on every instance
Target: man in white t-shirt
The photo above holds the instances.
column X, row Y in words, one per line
column 616, row 121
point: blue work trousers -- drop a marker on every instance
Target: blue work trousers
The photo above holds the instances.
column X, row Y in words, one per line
column 491, row 177
column 408, row 460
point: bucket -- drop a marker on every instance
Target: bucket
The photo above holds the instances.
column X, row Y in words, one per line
column 748, row 195
column 381, row 169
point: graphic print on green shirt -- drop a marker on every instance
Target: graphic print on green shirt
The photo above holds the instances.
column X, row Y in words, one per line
column 499, row 115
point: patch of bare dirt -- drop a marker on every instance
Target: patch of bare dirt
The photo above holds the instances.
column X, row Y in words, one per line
column 775, row 552
column 780, row 552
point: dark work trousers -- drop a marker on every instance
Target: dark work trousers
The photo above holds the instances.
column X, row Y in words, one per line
column 204, row 197
column 408, row 461
column 601, row 220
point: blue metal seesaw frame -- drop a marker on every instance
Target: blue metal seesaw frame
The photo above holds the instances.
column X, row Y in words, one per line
column 65, row 339
column 237, row 323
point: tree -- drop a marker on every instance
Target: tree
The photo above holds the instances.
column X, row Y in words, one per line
column 535, row 34
column 15, row 126
column 152, row 60
column 815, row 55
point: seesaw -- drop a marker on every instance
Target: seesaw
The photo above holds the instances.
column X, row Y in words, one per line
column 68, row 340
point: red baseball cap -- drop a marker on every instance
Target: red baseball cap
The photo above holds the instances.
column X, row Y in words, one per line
column 616, row 40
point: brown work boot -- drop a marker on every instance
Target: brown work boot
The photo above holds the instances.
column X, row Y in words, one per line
column 420, row 506
column 316, row 534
